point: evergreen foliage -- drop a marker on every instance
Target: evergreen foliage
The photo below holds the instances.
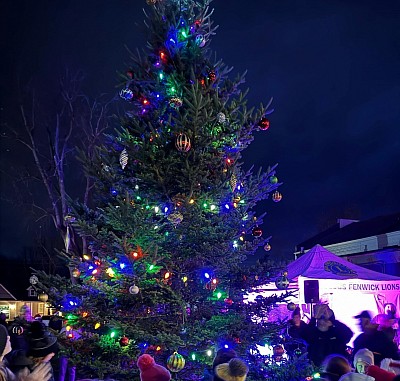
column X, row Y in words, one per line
column 173, row 217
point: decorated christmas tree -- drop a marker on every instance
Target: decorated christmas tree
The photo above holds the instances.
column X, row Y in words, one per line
column 173, row 217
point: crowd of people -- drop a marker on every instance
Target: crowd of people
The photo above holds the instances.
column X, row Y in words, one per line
column 374, row 355
column 27, row 346
column 26, row 349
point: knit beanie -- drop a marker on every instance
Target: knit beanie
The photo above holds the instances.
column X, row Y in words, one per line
column 150, row 371
column 3, row 338
column 234, row 370
column 351, row 376
column 364, row 355
column 223, row 355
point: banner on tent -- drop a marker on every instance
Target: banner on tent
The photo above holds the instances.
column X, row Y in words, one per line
column 349, row 287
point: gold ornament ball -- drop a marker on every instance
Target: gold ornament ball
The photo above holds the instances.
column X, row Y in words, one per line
column 175, row 362
column 43, row 297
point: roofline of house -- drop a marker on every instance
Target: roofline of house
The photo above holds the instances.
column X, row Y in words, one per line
column 9, row 293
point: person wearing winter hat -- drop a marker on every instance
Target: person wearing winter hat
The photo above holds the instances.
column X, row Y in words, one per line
column 234, row 370
column 222, row 356
column 41, row 372
column 150, row 371
column 362, row 360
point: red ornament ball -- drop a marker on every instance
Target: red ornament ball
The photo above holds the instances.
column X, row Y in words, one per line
column 228, row 301
column 212, row 76
column 124, row 341
column 263, row 124
column 278, row 350
column 257, row 232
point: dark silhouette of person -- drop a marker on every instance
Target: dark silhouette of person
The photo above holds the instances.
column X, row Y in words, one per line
column 374, row 340
column 325, row 335
column 333, row 367
column 297, row 326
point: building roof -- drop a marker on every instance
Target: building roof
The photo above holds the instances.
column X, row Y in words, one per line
column 355, row 230
column 5, row 294
column 320, row 263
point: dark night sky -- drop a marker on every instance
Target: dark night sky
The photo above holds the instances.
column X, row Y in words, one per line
column 333, row 68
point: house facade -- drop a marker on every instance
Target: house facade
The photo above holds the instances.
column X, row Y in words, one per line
column 372, row 243
column 11, row 306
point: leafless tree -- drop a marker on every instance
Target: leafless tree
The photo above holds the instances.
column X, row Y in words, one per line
column 52, row 140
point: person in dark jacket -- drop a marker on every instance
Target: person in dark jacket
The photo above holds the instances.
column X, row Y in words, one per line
column 374, row 340
column 325, row 335
column 297, row 326
column 3, row 319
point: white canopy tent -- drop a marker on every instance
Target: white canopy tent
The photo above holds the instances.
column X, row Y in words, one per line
column 347, row 288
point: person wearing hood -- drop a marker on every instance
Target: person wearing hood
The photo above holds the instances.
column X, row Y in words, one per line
column 325, row 335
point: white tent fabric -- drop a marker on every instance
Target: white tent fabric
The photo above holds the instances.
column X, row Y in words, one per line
column 320, row 263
